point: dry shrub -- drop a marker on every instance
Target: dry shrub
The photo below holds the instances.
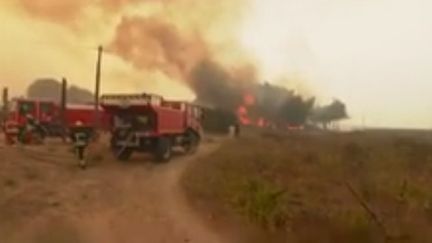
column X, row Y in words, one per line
column 354, row 154
column 310, row 157
column 416, row 153
column 351, row 227
column 292, row 184
column 275, row 136
column 262, row 202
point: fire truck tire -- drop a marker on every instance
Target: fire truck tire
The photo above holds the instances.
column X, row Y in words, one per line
column 192, row 142
column 163, row 150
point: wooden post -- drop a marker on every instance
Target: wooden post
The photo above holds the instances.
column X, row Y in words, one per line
column 97, row 88
column 5, row 96
column 63, row 102
column 5, row 104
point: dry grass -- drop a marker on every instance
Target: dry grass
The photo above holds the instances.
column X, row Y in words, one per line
column 295, row 185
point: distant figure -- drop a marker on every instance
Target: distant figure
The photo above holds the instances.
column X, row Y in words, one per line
column 81, row 138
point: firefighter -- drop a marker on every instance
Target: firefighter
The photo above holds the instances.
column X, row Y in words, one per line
column 81, row 140
column 25, row 132
column 32, row 131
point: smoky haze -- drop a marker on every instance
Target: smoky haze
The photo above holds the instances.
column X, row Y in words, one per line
column 150, row 43
column 177, row 42
column 48, row 88
column 69, row 11
column 154, row 44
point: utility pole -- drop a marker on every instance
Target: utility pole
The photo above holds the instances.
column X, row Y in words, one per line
column 5, row 103
column 97, row 88
column 63, row 101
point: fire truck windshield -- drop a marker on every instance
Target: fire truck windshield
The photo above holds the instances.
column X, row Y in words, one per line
column 142, row 121
column 26, row 107
column 46, row 107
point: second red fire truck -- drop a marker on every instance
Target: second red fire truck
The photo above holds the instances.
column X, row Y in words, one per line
column 148, row 123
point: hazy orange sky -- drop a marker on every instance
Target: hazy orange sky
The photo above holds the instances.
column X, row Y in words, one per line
column 375, row 55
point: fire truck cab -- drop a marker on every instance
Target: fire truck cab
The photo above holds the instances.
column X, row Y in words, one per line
column 148, row 123
column 20, row 110
column 46, row 113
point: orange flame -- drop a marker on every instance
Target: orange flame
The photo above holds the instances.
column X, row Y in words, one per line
column 243, row 112
column 249, row 100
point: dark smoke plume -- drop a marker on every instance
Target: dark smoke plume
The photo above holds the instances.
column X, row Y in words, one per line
column 215, row 86
column 152, row 44
column 280, row 105
column 177, row 47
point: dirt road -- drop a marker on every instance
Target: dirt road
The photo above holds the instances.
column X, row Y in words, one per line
column 45, row 198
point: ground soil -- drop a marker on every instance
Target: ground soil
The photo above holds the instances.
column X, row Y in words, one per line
column 45, row 198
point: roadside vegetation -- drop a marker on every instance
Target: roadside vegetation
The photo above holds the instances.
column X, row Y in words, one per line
column 356, row 187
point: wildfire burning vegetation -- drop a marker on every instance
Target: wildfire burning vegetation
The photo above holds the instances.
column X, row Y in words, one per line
column 188, row 42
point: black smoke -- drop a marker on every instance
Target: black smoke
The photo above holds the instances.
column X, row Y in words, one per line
column 155, row 44
column 215, row 86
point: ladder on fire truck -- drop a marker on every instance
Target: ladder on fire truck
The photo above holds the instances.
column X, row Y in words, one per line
column 126, row 100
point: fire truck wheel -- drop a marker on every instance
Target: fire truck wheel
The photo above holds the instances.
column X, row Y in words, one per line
column 192, row 143
column 163, row 149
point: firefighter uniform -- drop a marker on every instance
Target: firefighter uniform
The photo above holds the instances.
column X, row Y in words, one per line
column 32, row 131
column 81, row 140
column 26, row 132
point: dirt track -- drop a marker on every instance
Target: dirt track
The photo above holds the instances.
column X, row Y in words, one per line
column 44, row 198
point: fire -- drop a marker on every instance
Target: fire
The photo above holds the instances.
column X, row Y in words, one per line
column 247, row 119
column 261, row 122
column 242, row 110
column 249, row 99
column 244, row 115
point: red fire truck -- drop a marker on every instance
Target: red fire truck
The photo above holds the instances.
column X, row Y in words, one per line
column 19, row 111
column 47, row 115
column 148, row 123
